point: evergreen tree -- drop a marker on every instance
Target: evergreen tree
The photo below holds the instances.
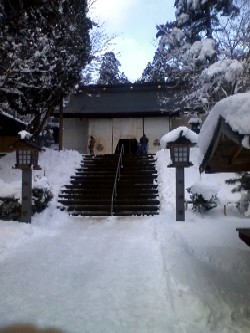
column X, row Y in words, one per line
column 199, row 17
column 204, row 50
column 242, row 182
column 230, row 74
column 100, row 43
column 44, row 45
column 109, row 70
column 176, row 58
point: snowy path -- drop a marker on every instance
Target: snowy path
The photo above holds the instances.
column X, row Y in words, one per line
column 90, row 277
column 124, row 275
column 128, row 275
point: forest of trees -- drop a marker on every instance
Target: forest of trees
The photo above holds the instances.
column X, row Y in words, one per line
column 206, row 48
column 43, row 45
column 47, row 47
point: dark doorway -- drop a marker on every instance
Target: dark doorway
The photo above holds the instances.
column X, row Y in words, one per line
column 130, row 146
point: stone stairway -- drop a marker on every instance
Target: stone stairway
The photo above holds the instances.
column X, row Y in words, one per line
column 90, row 190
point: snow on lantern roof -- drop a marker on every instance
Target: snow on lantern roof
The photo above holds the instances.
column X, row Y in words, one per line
column 181, row 131
column 236, row 112
column 25, row 140
column 24, row 135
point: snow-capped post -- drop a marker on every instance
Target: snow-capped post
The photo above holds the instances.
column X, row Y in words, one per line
column 27, row 153
column 179, row 141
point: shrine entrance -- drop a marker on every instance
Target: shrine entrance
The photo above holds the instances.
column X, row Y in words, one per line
column 130, row 146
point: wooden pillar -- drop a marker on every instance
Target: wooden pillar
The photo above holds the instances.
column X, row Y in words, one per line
column 26, row 210
column 180, row 200
column 61, row 125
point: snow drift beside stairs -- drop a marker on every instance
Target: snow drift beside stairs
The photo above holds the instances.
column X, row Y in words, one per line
column 56, row 167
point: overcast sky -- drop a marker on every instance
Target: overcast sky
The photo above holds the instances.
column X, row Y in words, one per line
column 134, row 21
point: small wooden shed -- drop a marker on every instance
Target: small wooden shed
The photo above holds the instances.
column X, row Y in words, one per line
column 226, row 152
column 229, row 151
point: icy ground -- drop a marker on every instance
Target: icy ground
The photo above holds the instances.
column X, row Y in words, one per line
column 128, row 275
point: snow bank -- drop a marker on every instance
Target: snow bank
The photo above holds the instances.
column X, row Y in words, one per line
column 205, row 188
column 57, row 167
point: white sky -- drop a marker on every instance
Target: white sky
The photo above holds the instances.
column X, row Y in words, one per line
column 134, row 22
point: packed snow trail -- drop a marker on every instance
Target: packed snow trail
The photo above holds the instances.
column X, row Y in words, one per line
column 89, row 277
column 128, row 275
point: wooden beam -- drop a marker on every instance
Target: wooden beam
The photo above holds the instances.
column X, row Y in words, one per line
column 227, row 130
column 244, row 235
column 61, row 125
column 235, row 154
column 221, row 167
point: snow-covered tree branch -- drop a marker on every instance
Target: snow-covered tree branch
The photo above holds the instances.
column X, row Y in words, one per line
column 44, row 46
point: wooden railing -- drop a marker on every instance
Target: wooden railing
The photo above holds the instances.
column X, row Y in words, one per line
column 117, row 176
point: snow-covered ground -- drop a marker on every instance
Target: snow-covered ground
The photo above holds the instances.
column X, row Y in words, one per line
column 124, row 274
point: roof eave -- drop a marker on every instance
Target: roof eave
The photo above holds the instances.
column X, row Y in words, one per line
column 221, row 128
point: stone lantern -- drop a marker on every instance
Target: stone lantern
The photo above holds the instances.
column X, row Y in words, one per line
column 179, row 145
column 27, row 153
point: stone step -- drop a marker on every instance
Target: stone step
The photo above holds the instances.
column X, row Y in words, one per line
column 97, row 177
column 93, row 177
column 80, row 172
column 121, row 213
column 89, row 186
column 134, row 168
column 147, row 193
column 90, row 213
column 137, row 181
column 138, row 157
column 117, row 202
column 99, row 156
column 116, row 208
column 136, row 213
column 85, row 202
column 83, row 195
column 138, row 163
column 135, row 177
column 90, row 190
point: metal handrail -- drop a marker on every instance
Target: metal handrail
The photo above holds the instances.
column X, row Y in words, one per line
column 117, row 176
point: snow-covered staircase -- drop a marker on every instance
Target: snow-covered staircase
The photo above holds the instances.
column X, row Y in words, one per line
column 90, row 190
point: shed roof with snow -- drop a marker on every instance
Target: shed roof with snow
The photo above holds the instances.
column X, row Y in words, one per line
column 224, row 140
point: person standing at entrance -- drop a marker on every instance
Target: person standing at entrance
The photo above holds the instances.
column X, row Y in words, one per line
column 144, row 144
column 91, row 144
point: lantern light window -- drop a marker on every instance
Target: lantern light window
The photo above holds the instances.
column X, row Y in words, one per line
column 27, row 153
column 24, row 156
column 181, row 154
